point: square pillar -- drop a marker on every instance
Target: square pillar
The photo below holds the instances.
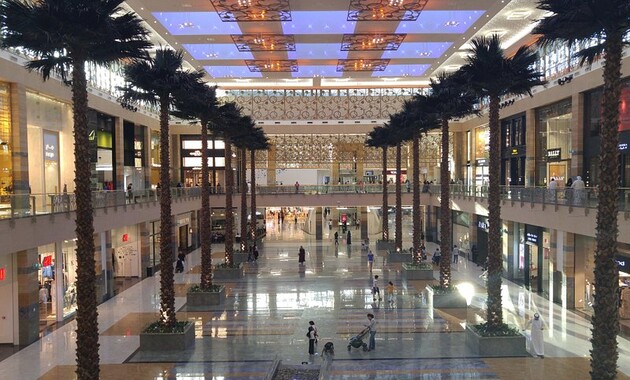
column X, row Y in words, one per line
column 28, row 296
column 319, row 234
column 119, row 154
column 577, row 134
column 19, row 150
column 363, row 215
column 530, row 152
column 271, row 165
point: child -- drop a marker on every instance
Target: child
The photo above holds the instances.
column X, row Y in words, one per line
column 375, row 289
column 390, row 289
column 370, row 257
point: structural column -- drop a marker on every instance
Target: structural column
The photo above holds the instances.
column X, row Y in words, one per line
column 271, row 166
column 577, row 132
column 530, row 143
column 19, row 149
column 28, row 296
column 319, row 234
column 363, row 215
column 119, row 151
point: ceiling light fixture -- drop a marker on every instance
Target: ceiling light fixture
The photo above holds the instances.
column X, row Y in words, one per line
column 362, row 64
column 364, row 42
column 264, row 42
column 252, row 10
column 272, row 66
column 385, row 10
column 451, row 23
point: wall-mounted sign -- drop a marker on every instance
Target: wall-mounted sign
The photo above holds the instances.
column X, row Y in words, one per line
column 3, row 274
column 623, row 146
column 47, row 261
column 532, row 234
column 514, row 151
column 554, row 154
column 623, row 263
column 51, row 146
column 195, row 153
column 482, row 225
column 125, row 238
column 481, row 162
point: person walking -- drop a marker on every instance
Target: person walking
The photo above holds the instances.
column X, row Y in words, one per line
column 455, row 254
column 553, row 189
column 390, row 289
column 371, row 326
column 578, row 188
column 312, row 324
column 311, row 340
column 349, row 238
column 375, row 289
column 538, row 343
column 336, row 237
column 302, row 255
column 297, row 187
column 370, row 257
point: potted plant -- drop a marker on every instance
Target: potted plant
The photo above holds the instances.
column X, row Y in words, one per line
column 421, row 271
column 240, row 256
column 197, row 296
column 158, row 337
column 398, row 256
column 445, row 297
column 385, row 245
column 225, row 271
column 487, row 341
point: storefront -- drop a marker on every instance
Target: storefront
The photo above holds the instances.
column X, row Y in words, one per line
column 126, row 258
column 553, row 143
column 513, row 152
column 184, row 228
column 191, row 164
column 154, row 146
column 592, row 136
column 6, row 159
column 134, row 156
column 482, row 241
column 536, row 260
column 481, row 156
column 461, row 231
column 102, row 137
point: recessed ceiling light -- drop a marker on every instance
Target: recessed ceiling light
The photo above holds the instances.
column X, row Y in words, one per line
column 451, row 23
column 424, row 53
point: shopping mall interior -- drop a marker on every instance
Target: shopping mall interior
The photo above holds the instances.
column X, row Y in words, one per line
column 317, row 77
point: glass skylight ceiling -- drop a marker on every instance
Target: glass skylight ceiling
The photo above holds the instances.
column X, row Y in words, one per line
column 216, row 51
column 317, row 22
column 401, row 71
column 318, row 51
column 317, row 70
column 418, row 50
column 195, row 23
column 440, row 22
column 231, row 72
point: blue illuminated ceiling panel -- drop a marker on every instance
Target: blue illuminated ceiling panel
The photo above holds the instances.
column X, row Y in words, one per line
column 331, row 22
column 320, row 71
column 443, row 22
column 195, row 23
column 216, row 51
column 418, row 50
column 401, row 71
column 317, row 51
column 231, row 72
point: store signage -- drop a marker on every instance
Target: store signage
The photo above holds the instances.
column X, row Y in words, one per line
column 554, row 154
column 47, row 261
column 125, row 238
column 532, row 234
column 623, row 263
column 482, row 224
column 195, row 153
column 481, row 162
column 3, row 274
column 515, row 152
column 623, row 146
column 50, row 147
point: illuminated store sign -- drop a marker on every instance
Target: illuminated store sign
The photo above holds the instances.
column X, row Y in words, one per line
column 51, row 146
column 623, row 263
column 554, row 154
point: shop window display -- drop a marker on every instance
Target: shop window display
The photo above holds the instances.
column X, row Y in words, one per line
column 69, row 271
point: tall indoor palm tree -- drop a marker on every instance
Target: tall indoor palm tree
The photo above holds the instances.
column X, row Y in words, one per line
column 201, row 104
column 62, row 36
column 380, row 137
column 241, row 144
column 258, row 142
column 491, row 75
column 156, row 81
column 608, row 22
column 228, row 129
column 420, row 118
column 450, row 98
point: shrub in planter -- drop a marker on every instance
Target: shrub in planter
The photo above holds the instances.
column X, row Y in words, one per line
column 445, row 297
column 228, row 272
column 385, row 245
column 398, row 256
column 503, row 341
column 157, row 337
column 422, row 271
column 197, row 297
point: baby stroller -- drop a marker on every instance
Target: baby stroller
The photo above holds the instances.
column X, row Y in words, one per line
column 364, row 245
column 357, row 340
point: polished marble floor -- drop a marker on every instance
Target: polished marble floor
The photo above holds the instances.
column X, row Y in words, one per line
column 266, row 316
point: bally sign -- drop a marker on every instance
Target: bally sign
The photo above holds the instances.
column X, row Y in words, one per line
column 554, row 154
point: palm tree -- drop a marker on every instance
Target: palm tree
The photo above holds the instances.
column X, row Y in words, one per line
column 241, row 144
column 606, row 21
column 64, row 35
column 228, row 128
column 156, row 81
column 258, row 142
column 380, row 137
column 491, row 74
column 420, row 118
column 450, row 98
column 202, row 104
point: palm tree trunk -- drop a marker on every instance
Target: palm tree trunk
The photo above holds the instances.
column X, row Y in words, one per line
column 243, row 177
column 604, row 354
column 495, row 264
column 398, row 197
column 445, row 212
column 167, row 291
column 253, row 223
column 205, row 229
column 417, row 215
column 385, row 217
column 229, row 217
column 87, row 313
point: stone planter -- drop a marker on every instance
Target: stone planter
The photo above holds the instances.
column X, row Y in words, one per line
column 168, row 341
column 385, row 245
column 201, row 299
column 398, row 257
column 235, row 273
column 495, row 346
column 452, row 300
column 414, row 273
column 239, row 257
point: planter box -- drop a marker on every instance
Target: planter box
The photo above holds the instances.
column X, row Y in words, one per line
column 453, row 300
column 228, row 273
column 385, row 245
column 416, row 273
column 200, row 299
column 168, row 341
column 495, row 346
column 398, row 257
column 239, row 257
